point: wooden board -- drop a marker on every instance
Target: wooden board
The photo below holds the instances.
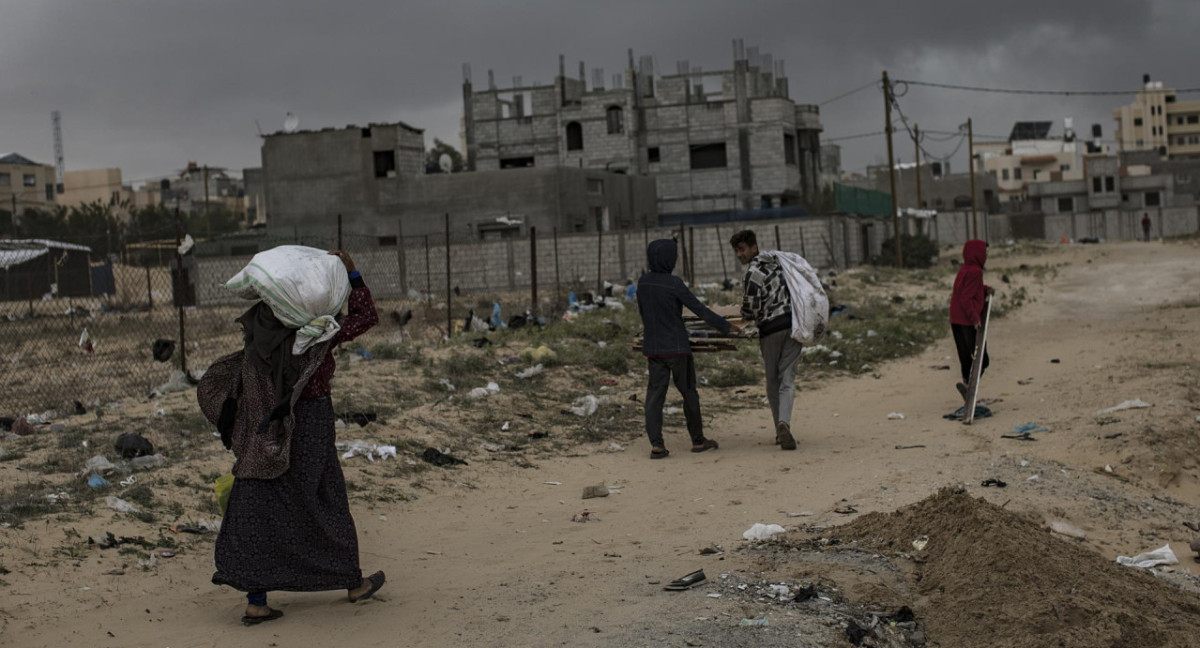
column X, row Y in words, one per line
column 977, row 365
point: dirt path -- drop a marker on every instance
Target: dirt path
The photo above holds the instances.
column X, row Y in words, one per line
column 501, row 564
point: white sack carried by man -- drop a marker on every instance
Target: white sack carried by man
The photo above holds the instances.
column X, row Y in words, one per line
column 810, row 305
column 305, row 288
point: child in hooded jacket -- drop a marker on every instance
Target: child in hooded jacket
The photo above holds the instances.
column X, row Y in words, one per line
column 967, row 304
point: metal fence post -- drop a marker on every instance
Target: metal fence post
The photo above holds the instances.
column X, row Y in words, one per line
column 599, row 258
column 428, row 273
column 533, row 271
column 401, row 259
column 149, row 292
column 449, row 310
column 557, row 278
column 179, row 294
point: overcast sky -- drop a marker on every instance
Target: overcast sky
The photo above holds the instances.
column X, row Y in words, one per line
column 147, row 85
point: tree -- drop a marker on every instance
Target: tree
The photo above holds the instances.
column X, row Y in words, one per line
column 434, row 155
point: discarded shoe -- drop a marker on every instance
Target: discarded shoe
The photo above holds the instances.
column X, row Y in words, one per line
column 992, row 481
column 686, row 582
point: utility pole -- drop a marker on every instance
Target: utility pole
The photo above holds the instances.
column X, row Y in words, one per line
column 917, row 158
column 207, row 220
column 971, row 161
column 887, row 119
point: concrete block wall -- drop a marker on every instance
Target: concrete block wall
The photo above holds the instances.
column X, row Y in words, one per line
column 499, row 266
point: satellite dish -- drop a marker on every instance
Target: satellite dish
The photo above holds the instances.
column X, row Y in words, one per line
column 290, row 123
column 446, row 163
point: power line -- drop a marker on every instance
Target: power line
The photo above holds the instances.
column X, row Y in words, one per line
column 850, row 137
column 855, row 91
column 1061, row 93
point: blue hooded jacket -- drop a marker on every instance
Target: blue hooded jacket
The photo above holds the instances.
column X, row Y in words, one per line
column 661, row 297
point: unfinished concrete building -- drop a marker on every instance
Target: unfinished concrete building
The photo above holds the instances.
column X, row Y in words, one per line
column 715, row 142
column 375, row 177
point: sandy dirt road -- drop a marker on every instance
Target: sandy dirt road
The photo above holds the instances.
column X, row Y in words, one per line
column 502, row 564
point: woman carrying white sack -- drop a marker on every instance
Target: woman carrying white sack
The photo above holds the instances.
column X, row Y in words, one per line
column 288, row 525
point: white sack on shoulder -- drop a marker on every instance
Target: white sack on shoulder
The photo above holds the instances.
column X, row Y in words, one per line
column 305, row 288
column 810, row 305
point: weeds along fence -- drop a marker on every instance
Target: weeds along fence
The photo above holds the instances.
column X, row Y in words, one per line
column 76, row 325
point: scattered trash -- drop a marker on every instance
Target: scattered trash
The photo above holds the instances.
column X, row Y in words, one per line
column 992, row 481
column 439, row 458
column 686, row 582
column 940, row 367
column 129, row 481
column 1027, row 381
column 99, row 465
column 447, row 384
column 114, row 572
column 599, row 490
column 87, row 342
column 1024, row 436
column 920, row 543
column 805, row 593
column 96, row 481
column 553, row 483
column 585, row 516
column 492, row 447
column 483, row 392
column 535, row 370
column 1055, row 361
column 753, row 623
column 1161, row 556
column 120, row 505
column 162, row 350
column 981, row 411
column 760, row 531
column 672, row 411
column 711, row 551
column 166, row 553
column 845, row 510
column 714, row 595
column 149, row 462
column 22, row 427
column 539, row 355
column 615, row 447
column 855, row 633
column 1029, row 428
column 223, row 486
column 366, row 449
column 179, row 382
column 1136, row 403
column 1064, row 528
column 909, row 447
column 131, row 444
column 585, row 405
column 895, row 416
column 506, row 427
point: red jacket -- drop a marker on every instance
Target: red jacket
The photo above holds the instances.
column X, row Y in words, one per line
column 966, row 303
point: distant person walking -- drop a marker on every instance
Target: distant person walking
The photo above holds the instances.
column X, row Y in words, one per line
column 966, row 309
column 768, row 303
column 1146, row 227
column 287, row 525
column 661, row 297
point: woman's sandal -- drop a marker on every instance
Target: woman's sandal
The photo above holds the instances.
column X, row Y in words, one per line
column 255, row 620
column 377, row 579
column 657, row 454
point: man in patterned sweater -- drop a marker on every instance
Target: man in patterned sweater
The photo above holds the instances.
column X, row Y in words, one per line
column 768, row 303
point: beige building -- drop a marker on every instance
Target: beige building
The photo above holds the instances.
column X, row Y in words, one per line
column 1030, row 155
column 1158, row 120
column 25, row 184
column 89, row 186
column 105, row 186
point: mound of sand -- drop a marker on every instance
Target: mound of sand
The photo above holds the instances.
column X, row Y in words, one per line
column 989, row 577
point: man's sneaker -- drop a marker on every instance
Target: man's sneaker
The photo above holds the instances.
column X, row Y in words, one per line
column 783, row 436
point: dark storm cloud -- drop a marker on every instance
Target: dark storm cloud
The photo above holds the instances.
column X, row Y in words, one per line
column 149, row 85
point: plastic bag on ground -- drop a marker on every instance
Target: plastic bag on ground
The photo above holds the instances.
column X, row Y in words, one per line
column 483, row 392
column 305, row 288
column 119, row 505
column 762, row 531
column 366, row 449
column 1136, row 403
column 535, row 370
column 97, row 465
column 149, row 462
column 585, row 405
column 1161, row 556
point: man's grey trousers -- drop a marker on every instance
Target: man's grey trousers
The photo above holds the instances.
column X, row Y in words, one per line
column 780, row 355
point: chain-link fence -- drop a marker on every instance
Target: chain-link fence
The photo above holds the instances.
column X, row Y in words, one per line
column 77, row 324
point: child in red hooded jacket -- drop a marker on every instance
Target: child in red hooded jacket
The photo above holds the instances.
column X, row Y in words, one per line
column 966, row 307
